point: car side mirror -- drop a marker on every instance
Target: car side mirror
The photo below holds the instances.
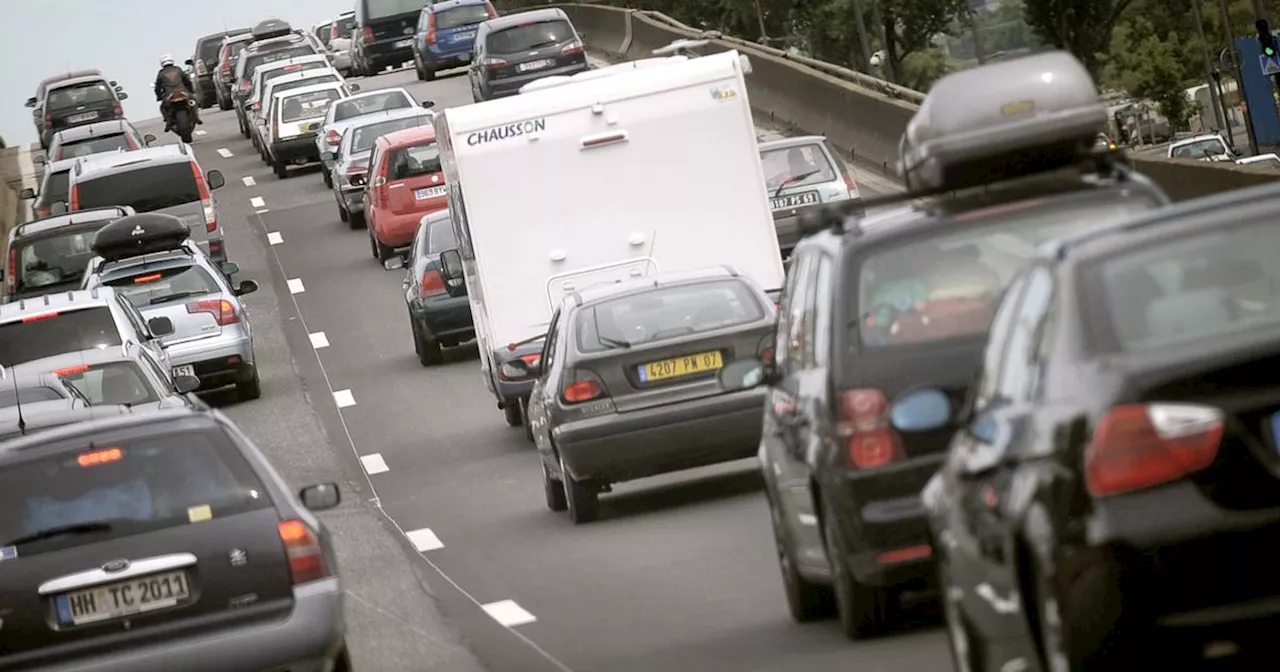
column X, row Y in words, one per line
column 353, row 87
column 320, row 497
column 215, row 180
column 160, row 326
column 395, row 263
column 742, row 374
column 31, row 102
column 27, row 194
column 247, row 287
column 428, row 103
column 922, row 410
column 58, row 208
column 190, row 62
column 186, row 384
column 229, row 268
column 327, row 155
column 148, row 139
column 122, row 95
column 451, row 265
column 114, row 83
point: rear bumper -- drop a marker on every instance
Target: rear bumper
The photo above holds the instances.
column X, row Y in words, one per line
column 219, row 361
column 444, row 318
column 510, row 86
column 353, row 199
column 385, row 52
column 625, row 446
column 298, row 148
column 341, row 60
column 205, row 88
column 443, row 60
column 787, row 224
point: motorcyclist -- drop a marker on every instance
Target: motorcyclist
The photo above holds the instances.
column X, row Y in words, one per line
column 172, row 78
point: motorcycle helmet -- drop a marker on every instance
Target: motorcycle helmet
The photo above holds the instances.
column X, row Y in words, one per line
column 166, row 61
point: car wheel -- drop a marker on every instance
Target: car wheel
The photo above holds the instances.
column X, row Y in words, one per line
column 553, row 490
column 244, row 127
column 342, row 663
column 862, row 609
column 511, row 413
column 281, row 168
column 524, row 416
column 328, row 179
column 582, row 501
column 428, row 73
column 417, row 68
column 357, row 220
column 224, row 104
column 343, row 215
column 806, row 600
column 248, row 391
column 429, row 352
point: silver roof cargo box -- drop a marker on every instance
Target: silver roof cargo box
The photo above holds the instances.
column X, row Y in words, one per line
column 1002, row 121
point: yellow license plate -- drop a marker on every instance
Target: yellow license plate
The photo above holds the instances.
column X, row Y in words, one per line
column 677, row 367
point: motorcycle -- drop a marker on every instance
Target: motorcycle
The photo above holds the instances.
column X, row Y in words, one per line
column 181, row 106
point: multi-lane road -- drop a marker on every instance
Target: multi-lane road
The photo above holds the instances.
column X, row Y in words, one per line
column 449, row 551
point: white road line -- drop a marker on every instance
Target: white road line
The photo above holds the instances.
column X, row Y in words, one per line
column 295, row 286
column 374, row 464
column 225, row 153
column 203, row 132
column 319, row 340
column 344, row 399
column 275, row 238
column 508, row 613
column 260, row 212
column 248, row 180
column 257, row 202
column 424, row 540
column 27, row 171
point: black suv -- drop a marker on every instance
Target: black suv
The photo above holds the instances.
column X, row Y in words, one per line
column 384, row 34
column 879, row 306
column 79, row 101
column 205, row 62
column 513, row 50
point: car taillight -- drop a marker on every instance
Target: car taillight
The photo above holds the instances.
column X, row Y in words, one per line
column 117, row 110
column 48, row 121
column 849, row 184
column 75, row 198
column 864, row 427
column 244, row 86
column 368, row 34
column 302, row 546
column 201, row 69
column 224, row 313
column 494, row 63
column 572, row 48
column 206, row 200
column 1138, row 446
column 332, row 138
column 510, row 371
column 432, row 283
column 581, row 386
column 333, row 32
column 431, row 28
column 11, row 273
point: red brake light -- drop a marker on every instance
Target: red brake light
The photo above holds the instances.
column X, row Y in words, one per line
column 75, row 198
column 306, row 559
column 206, row 200
column 224, row 313
column 573, row 48
column 72, row 370
column 141, row 279
column 99, row 457
column 494, row 63
column 864, row 426
column 1138, row 446
column 582, row 386
column 432, row 283
column 244, row 86
column 431, row 28
column 332, row 138
column 368, row 34
column 41, row 316
column 333, row 32
column 849, row 183
column 117, row 110
column 292, row 68
column 201, row 68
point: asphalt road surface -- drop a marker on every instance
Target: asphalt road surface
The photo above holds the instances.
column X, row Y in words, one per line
column 679, row 574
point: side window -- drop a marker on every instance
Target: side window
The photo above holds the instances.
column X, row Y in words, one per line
column 820, row 328
column 984, row 391
column 461, row 226
column 791, row 338
column 1020, row 367
column 549, row 346
column 135, row 318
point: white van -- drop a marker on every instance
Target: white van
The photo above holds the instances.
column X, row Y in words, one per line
column 652, row 169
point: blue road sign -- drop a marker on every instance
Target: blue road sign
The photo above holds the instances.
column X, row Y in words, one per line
column 1270, row 64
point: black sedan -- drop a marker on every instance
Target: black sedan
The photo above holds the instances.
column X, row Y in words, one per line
column 627, row 384
column 439, row 311
column 1112, row 490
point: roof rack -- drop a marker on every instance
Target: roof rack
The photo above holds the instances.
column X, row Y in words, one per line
column 136, row 235
column 271, row 28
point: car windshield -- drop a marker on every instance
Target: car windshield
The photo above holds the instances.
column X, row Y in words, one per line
column 1189, row 289
column 102, row 143
column 802, row 166
column 146, row 288
column 666, row 312
column 362, row 138
column 381, row 9
column 529, row 36
column 1198, row 149
column 88, row 93
column 368, row 104
column 111, row 486
column 145, row 189
column 464, row 15
column 53, row 259
column 113, row 383
column 307, row 105
column 55, row 187
column 10, row 397
column 414, row 161
column 947, row 286
column 440, row 237
column 258, row 58
column 55, row 333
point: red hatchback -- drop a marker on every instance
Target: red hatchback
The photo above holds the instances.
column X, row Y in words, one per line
column 405, row 183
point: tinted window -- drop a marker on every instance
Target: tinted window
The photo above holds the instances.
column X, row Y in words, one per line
column 376, row 102
column 70, row 331
column 145, row 189
column 414, row 161
column 113, row 383
column 27, row 395
column 88, row 93
column 466, row 15
column 316, row 100
column 947, row 286
column 1193, row 288
column 53, row 259
column 209, row 48
column 306, row 105
column 259, row 58
column 807, row 162
column 103, row 143
column 322, row 32
column 345, row 26
column 291, row 69
column 381, row 9
column 441, row 237
column 132, row 485
column 1196, row 150
column 55, row 187
column 362, row 138
column 236, row 48
column 665, row 313
column 529, row 36
column 171, row 284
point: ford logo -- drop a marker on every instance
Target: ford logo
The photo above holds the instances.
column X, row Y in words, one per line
column 116, row 566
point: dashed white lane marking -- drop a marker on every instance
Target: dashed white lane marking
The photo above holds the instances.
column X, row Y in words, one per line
column 344, row 399
column 319, row 340
column 424, row 540
column 275, row 238
column 248, row 180
column 257, row 202
column 295, row 286
column 203, row 132
column 260, row 212
column 374, row 464
column 508, row 613
column 225, row 153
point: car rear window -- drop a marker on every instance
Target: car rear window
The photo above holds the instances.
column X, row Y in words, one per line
column 529, row 36
column 112, row 383
column 261, row 57
column 27, row 395
column 209, row 48
column 413, row 161
column 374, row 102
column 292, row 68
column 322, row 33
column 947, row 286
column 664, row 313
column 345, row 26
column 55, row 187
column 307, row 105
column 87, row 93
column 381, row 9
column 236, row 48
column 465, row 15
column 1189, row 289
column 45, row 335
column 144, row 189
column 1199, row 149
column 109, row 487
column 362, row 138
column 801, row 166
column 154, row 287
column 53, row 259
column 102, row 143
column 440, row 237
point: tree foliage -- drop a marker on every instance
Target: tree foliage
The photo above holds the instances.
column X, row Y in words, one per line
column 1082, row 27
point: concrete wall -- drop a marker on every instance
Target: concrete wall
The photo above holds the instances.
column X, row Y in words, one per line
column 863, row 122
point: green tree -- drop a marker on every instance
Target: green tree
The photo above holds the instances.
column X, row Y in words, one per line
column 1006, row 28
column 1083, row 27
column 909, row 25
column 1155, row 63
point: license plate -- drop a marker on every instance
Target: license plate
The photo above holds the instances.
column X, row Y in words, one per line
column 403, row 43
column 187, row 370
column 794, row 200
column 533, row 65
column 430, row 192
column 117, row 600
column 77, row 118
column 678, row 367
column 458, row 37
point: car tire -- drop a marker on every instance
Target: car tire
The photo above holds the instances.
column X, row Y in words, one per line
column 356, row 220
column 244, row 127
column 582, row 501
column 224, row 104
column 862, row 610
column 328, row 179
column 342, row 662
column 511, row 413
column 553, row 491
column 417, row 68
column 250, row 390
column 524, row 420
column 343, row 215
column 806, row 600
column 428, row 73
column 281, row 168
column 429, row 352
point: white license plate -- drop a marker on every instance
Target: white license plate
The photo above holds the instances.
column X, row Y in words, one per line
column 794, row 200
column 77, row 118
column 187, row 370
column 430, row 192
column 533, row 65
column 116, row 600
column 457, row 37
column 403, row 43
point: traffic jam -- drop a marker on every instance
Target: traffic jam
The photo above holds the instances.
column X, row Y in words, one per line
column 1026, row 395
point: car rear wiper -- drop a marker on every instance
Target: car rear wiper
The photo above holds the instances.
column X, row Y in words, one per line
column 173, row 297
column 605, row 340
column 544, row 43
column 793, row 179
column 61, row 531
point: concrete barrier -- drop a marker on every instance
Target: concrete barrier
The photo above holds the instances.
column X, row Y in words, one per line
column 863, row 118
